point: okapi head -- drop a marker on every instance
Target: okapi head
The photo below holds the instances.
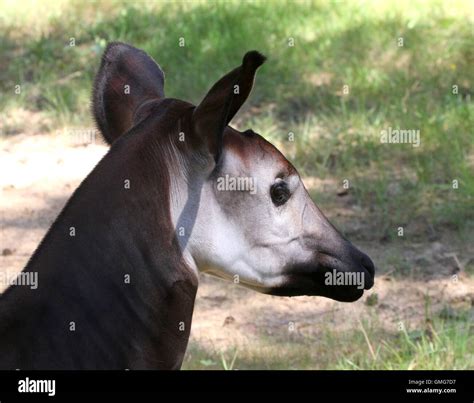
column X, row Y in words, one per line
column 238, row 208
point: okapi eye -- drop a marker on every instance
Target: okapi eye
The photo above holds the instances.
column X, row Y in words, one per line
column 279, row 193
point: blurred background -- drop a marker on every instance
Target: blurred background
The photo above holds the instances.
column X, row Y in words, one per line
column 338, row 74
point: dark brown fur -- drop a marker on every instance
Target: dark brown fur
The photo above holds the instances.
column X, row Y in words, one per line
column 82, row 278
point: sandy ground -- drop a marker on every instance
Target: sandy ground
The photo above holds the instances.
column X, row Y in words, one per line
column 39, row 173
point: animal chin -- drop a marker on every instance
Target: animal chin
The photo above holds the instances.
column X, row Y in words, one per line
column 338, row 293
column 334, row 281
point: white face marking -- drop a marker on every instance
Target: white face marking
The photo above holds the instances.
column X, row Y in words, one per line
column 231, row 233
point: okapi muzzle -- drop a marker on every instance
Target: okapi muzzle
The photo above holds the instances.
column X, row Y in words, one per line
column 179, row 193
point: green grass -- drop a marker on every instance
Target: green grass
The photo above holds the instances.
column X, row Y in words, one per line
column 445, row 344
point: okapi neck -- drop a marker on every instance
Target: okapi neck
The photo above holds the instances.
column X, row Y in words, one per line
column 111, row 280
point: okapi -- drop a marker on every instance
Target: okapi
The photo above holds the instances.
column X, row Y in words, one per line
column 118, row 269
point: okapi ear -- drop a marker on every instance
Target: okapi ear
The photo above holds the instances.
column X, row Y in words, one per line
column 223, row 101
column 127, row 79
